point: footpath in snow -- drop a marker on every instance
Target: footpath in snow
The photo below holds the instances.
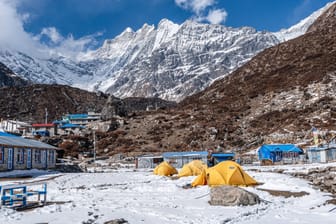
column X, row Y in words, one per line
column 141, row 197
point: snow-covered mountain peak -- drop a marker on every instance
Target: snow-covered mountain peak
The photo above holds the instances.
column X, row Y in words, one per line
column 301, row 27
column 171, row 61
column 146, row 28
column 166, row 23
column 128, row 30
column 165, row 30
column 190, row 22
column 168, row 27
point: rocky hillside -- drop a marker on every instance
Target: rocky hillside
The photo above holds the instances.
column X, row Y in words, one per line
column 8, row 78
column 277, row 96
column 292, row 92
column 28, row 103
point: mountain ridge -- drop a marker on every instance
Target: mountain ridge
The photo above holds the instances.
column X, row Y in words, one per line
column 169, row 61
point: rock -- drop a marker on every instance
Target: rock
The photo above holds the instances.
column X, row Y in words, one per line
column 232, row 196
column 328, row 183
column 68, row 168
column 117, row 221
column 317, row 181
column 321, row 178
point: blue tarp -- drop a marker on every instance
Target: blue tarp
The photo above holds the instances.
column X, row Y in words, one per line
column 72, row 126
column 77, row 116
column 220, row 157
column 275, row 152
column 41, row 133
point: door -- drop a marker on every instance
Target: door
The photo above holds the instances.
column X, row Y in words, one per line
column 44, row 159
column 29, row 159
column 10, row 158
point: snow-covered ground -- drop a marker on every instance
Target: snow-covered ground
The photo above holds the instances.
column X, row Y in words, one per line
column 141, row 197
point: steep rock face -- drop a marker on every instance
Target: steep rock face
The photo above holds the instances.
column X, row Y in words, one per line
column 54, row 70
column 190, row 60
column 8, row 78
column 171, row 61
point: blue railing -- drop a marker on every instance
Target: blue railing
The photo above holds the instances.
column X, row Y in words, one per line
column 18, row 194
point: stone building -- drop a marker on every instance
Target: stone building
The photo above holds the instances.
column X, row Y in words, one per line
column 17, row 153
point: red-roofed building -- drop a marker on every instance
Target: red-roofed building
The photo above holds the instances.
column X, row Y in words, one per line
column 48, row 129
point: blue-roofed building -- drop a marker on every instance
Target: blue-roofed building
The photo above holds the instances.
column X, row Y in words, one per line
column 322, row 154
column 220, row 157
column 5, row 134
column 178, row 159
column 71, row 128
column 279, row 153
column 17, row 153
column 81, row 119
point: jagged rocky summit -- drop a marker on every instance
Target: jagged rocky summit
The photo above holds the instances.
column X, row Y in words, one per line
column 169, row 61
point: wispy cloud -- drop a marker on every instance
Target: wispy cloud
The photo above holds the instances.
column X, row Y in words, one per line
column 196, row 6
column 56, row 44
column 52, row 34
column 216, row 16
column 49, row 41
column 204, row 10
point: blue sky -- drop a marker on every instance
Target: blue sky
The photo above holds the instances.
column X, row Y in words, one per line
column 83, row 22
column 85, row 17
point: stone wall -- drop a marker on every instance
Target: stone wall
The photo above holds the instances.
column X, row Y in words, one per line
column 323, row 178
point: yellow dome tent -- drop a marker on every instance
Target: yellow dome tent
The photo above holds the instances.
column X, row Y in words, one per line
column 224, row 173
column 192, row 168
column 164, row 169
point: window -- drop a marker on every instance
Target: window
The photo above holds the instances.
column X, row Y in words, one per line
column 157, row 160
column 2, row 152
column 37, row 156
column 20, row 156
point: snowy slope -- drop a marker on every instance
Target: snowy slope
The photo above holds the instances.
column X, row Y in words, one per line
column 170, row 61
column 141, row 197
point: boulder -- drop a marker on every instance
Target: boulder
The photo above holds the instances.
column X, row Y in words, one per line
column 232, row 196
column 117, row 221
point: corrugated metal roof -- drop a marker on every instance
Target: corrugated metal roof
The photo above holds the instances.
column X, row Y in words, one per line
column 23, row 142
column 6, row 134
column 72, row 126
column 43, row 125
column 77, row 116
column 179, row 154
